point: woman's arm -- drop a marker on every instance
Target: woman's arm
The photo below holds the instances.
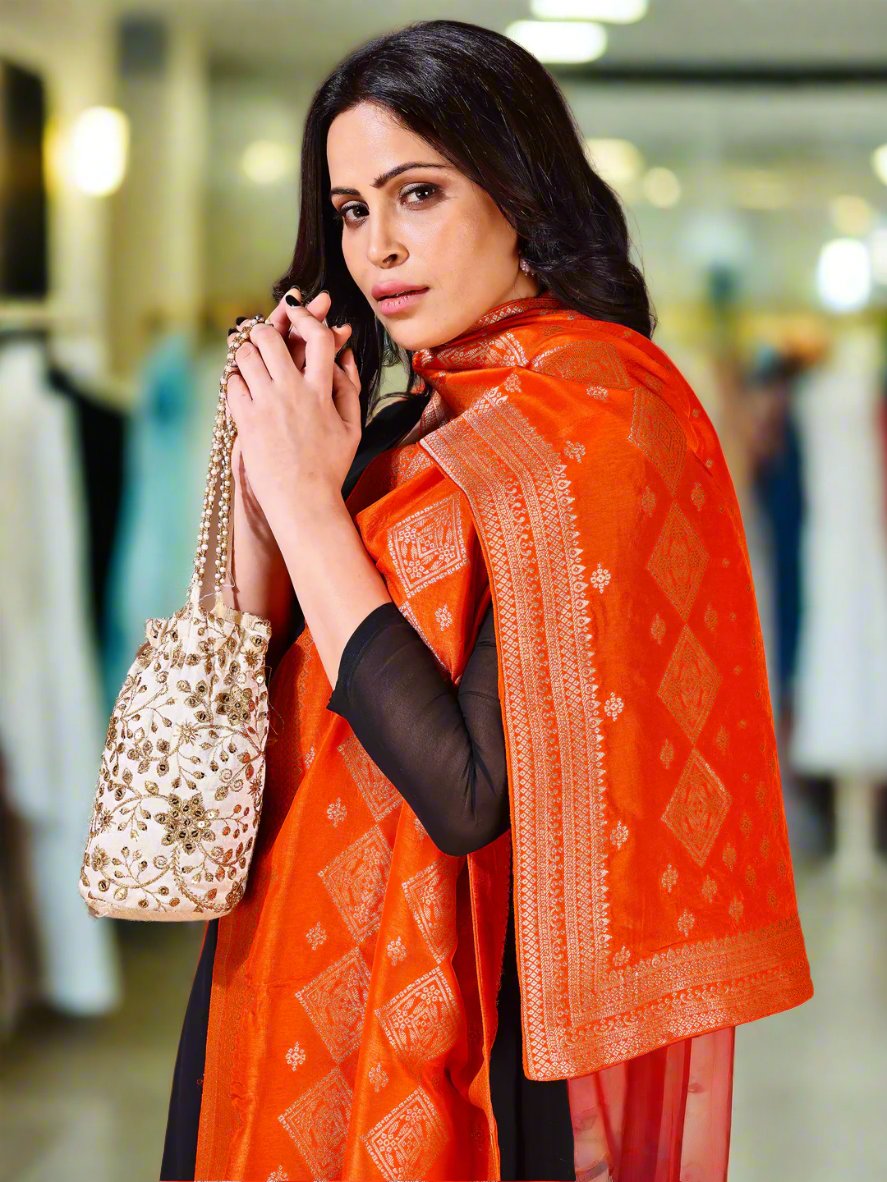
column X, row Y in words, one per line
column 443, row 748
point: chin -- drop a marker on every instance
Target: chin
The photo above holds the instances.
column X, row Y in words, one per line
column 411, row 338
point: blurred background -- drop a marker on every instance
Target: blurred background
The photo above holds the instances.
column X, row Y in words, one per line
column 148, row 195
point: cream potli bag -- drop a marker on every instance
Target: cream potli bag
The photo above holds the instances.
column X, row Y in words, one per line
column 182, row 774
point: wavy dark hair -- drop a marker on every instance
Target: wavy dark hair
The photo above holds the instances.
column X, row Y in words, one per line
column 496, row 114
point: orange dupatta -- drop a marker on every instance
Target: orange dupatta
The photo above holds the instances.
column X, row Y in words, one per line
column 564, row 468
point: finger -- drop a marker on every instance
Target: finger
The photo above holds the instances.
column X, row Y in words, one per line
column 319, row 308
column 341, row 332
column 346, row 396
column 320, row 344
column 247, row 353
column 274, row 351
column 349, row 365
column 237, row 397
column 279, row 317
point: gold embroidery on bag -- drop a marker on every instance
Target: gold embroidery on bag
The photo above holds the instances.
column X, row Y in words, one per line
column 218, row 721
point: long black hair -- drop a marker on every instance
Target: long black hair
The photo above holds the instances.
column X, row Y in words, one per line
column 494, row 112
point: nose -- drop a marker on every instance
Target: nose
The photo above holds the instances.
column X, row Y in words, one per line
column 383, row 248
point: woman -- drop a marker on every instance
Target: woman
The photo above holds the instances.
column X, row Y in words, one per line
column 561, row 497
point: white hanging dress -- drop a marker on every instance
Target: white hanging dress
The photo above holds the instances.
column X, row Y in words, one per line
column 841, row 679
column 52, row 720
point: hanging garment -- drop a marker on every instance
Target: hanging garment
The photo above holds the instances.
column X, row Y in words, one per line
column 20, row 974
column 563, row 470
column 100, row 437
column 52, row 721
column 841, row 674
column 779, row 488
column 167, row 442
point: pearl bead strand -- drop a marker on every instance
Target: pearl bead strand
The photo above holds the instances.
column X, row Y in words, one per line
column 219, row 476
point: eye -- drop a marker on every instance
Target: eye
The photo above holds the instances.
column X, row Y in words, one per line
column 341, row 214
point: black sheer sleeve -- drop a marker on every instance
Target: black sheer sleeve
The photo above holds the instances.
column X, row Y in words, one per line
column 443, row 747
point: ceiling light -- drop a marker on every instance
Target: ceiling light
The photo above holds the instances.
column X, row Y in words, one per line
column 661, row 187
column 844, row 275
column 97, row 150
column 878, row 252
column 758, row 188
column 617, row 161
column 615, row 12
column 265, row 161
column 879, row 163
column 851, row 214
column 560, row 41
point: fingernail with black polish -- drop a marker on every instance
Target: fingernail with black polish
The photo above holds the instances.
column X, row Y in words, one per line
column 240, row 319
column 292, row 301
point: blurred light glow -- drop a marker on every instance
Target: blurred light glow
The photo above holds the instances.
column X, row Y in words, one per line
column 851, row 214
column 759, row 188
column 560, row 41
column 878, row 252
column 97, row 151
column 264, row 162
column 879, row 163
column 844, row 275
column 615, row 12
column 718, row 237
column 617, row 161
column 661, row 187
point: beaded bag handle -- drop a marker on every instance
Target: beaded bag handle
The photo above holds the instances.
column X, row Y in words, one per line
column 217, row 492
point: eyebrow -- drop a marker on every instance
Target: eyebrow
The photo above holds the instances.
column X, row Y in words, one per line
column 386, row 176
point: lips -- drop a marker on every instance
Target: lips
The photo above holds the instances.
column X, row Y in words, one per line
column 382, row 291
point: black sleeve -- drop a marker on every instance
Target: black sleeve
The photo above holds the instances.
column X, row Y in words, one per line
column 443, row 747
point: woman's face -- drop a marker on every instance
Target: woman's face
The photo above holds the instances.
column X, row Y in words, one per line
column 424, row 226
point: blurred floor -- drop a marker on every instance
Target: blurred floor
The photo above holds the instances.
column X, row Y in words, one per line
column 88, row 1100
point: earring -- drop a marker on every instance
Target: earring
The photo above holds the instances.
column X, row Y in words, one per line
column 525, row 267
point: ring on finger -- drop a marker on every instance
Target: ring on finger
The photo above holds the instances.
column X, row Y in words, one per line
column 235, row 340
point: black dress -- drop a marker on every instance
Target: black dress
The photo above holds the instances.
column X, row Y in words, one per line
column 409, row 718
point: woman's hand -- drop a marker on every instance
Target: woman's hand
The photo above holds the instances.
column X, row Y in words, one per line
column 298, row 428
column 254, row 514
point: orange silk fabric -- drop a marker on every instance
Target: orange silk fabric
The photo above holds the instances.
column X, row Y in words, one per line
column 564, row 468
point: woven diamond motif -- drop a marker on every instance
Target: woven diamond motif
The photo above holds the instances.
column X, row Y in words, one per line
column 405, row 1142
column 431, row 895
column 336, row 1002
column 697, row 808
column 422, row 1021
column 379, row 793
column 428, row 545
column 689, row 684
column 318, row 1123
column 657, row 431
column 357, row 880
column 678, row 561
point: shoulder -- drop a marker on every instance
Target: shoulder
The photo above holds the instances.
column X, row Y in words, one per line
column 578, row 348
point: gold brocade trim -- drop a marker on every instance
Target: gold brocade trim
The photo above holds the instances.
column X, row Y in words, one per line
column 551, row 710
column 578, row 1012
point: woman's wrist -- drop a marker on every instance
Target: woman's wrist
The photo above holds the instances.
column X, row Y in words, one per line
column 259, row 580
column 248, row 516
